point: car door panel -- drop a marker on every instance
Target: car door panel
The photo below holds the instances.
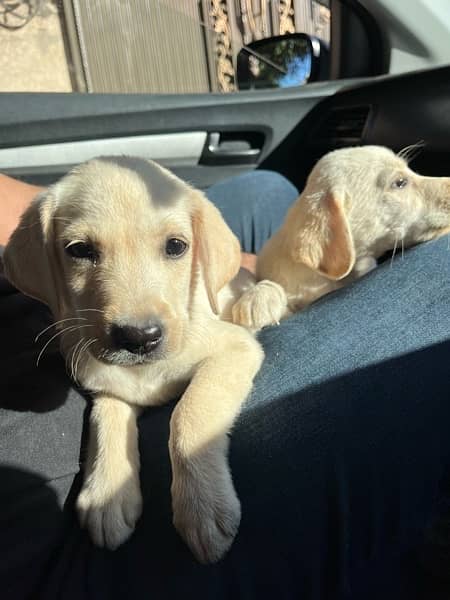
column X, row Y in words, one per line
column 43, row 135
column 284, row 130
column 394, row 111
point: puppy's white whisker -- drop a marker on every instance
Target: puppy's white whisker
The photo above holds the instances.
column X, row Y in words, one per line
column 66, row 330
column 81, row 352
column 63, row 331
column 393, row 253
column 82, row 345
column 77, row 360
column 403, row 248
column 29, row 226
column 72, row 360
column 83, row 349
column 56, row 324
column 410, row 152
column 67, row 357
column 93, row 340
column 90, row 309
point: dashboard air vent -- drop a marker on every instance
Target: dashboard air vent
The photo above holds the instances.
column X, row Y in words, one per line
column 342, row 126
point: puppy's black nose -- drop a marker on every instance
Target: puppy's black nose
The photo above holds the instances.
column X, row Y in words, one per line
column 136, row 339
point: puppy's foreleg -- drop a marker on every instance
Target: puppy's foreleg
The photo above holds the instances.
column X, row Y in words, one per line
column 206, row 510
column 110, row 501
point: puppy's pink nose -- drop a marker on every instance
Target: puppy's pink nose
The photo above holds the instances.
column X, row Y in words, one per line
column 137, row 340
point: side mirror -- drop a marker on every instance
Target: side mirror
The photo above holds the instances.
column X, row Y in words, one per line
column 282, row 61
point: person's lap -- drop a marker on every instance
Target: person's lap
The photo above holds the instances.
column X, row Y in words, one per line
column 337, row 456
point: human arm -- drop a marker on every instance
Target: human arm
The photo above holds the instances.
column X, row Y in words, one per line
column 15, row 196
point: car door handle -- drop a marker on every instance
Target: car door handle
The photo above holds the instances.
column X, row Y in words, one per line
column 229, row 148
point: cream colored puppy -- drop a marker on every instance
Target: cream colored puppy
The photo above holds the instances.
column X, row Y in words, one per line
column 358, row 203
column 131, row 260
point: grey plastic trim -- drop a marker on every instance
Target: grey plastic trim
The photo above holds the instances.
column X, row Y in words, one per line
column 417, row 32
column 179, row 148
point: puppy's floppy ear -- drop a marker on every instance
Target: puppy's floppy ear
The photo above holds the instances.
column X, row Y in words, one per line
column 29, row 257
column 319, row 234
column 218, row 249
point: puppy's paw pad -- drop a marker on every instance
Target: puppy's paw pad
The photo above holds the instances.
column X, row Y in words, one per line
column 110, row 517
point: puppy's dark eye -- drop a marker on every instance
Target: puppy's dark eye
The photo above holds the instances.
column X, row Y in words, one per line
column 82, row 250
column 175, row 247
column 399, row 183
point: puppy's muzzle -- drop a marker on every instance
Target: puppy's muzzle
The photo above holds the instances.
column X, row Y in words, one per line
column 137, row 340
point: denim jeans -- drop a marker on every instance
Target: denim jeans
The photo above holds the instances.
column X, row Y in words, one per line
column 340, row 456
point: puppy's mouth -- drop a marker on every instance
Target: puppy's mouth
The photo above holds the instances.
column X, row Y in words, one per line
column 125, row 358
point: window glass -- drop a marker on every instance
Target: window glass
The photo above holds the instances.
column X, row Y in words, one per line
column 153, row 46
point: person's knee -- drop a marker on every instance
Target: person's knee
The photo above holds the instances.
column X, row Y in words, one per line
column 253, row 188
column 254, row 205
column 270, row 188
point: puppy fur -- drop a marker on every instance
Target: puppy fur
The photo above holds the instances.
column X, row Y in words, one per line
column 358, row 203
column 125, row 210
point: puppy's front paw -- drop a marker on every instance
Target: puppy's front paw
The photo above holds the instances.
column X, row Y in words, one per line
column 262, row 305
column 206, row 514
column 109, row 511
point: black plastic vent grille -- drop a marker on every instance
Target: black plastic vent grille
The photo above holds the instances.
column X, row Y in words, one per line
column 342, row 126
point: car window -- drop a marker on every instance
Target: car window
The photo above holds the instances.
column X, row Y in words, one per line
column 152, row 46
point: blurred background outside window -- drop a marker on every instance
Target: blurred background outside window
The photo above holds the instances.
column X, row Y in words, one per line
column 150, row 46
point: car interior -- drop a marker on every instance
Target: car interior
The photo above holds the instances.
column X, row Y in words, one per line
column 377, row 83
column 208, row 137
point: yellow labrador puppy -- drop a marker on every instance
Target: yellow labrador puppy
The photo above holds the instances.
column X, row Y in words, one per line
column 131, row 260
column 358, row 203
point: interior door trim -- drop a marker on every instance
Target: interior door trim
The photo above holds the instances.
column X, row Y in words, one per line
column 181, row 148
